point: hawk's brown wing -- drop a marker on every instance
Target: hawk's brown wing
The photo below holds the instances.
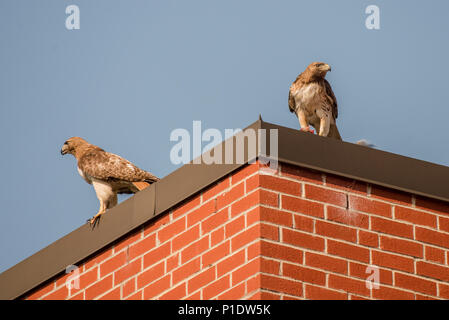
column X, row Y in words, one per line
column 331, row 95
column 291, row 102
column 108, row 166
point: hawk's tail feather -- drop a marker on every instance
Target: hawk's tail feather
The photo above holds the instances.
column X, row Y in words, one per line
column 333, row 132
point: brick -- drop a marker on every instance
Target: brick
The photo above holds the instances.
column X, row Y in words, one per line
column 348, row 251
column 176, row 293
column 150, row 275
column 432, row 270
column 59, row 294
column 318, row 293
column 136, row 296
column 253, row 250
column 128, row 240
column 186, row 206
column 346, row 184
column 86, row 279
column 202, row 279
column 269, row 232
column 195, row 296
column 78, row 296
column 98, row 258
column 303, row 223
column 41, row 291
column 325, row 195
column 268, row 198
column 246, row 203
column 348, row 285
column 306, row 207
column 253, row 283
column 217, row 236
column 172, row 229
column 443, row 224
column 245, row 237
column 361, row 271
column 156, row 255
column 303, row 240
column 392, row 227
column 253, row 216
column 230, row 263
column 216, row 287
column 332, row 230
column 155, row 224
column 246, row 271
column 325, row 262
column 214, row 221
column 235, row 226
column 270, row 266
column 435, row 255
column 172, row 262
column 235, row 293
column 195, row 249
column 129, row 287
column 201, row 213
column 430, row 236
column 186, row 238
column 369, row 206
column 186, row 270
column 303, row 274
column 230, row 196
column 276, row 216
column 112, row 295
column 415, row 217
column 215, row 254
column 369, row 239
column 443, row 290
column 112, row 264
column 252, row 183
column 386, row 293
column 281, row 285
column 432, row 205
column 280, row 185
column 278, row 251
column 127, row 271
column 264, row 295
column 347, row 217
column 156, row 288
column 301, row 174
column 216, row 189
column 406, row 247
column 393, row 261
column 391, row 195
column 244, row 172
column 99, row 288
column 143, row 246
column 415, row 284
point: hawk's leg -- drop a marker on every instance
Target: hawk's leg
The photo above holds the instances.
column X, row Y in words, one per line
column 325, row 123
column 303, row 122
column 100, row 212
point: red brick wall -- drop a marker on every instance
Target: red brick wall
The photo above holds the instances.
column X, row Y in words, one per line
column 290, row 234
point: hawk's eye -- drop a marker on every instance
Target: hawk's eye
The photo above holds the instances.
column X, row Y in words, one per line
column 65, row 142
column 319, row 64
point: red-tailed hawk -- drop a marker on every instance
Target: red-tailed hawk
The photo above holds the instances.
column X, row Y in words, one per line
column 109, row 173
column 312, row 100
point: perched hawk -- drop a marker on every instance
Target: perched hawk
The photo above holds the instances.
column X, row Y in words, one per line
column 312, row 100
column 110, row 174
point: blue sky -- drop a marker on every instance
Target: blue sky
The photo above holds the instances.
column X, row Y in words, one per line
column 136, row 70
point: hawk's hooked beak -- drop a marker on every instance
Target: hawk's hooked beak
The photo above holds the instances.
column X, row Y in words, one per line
column 64, row 149
column 328, row 67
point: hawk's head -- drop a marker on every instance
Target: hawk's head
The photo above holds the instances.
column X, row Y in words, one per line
column 318, row 69
column 72, row 145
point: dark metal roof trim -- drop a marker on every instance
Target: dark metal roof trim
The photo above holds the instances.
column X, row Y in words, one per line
column 297, row 148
